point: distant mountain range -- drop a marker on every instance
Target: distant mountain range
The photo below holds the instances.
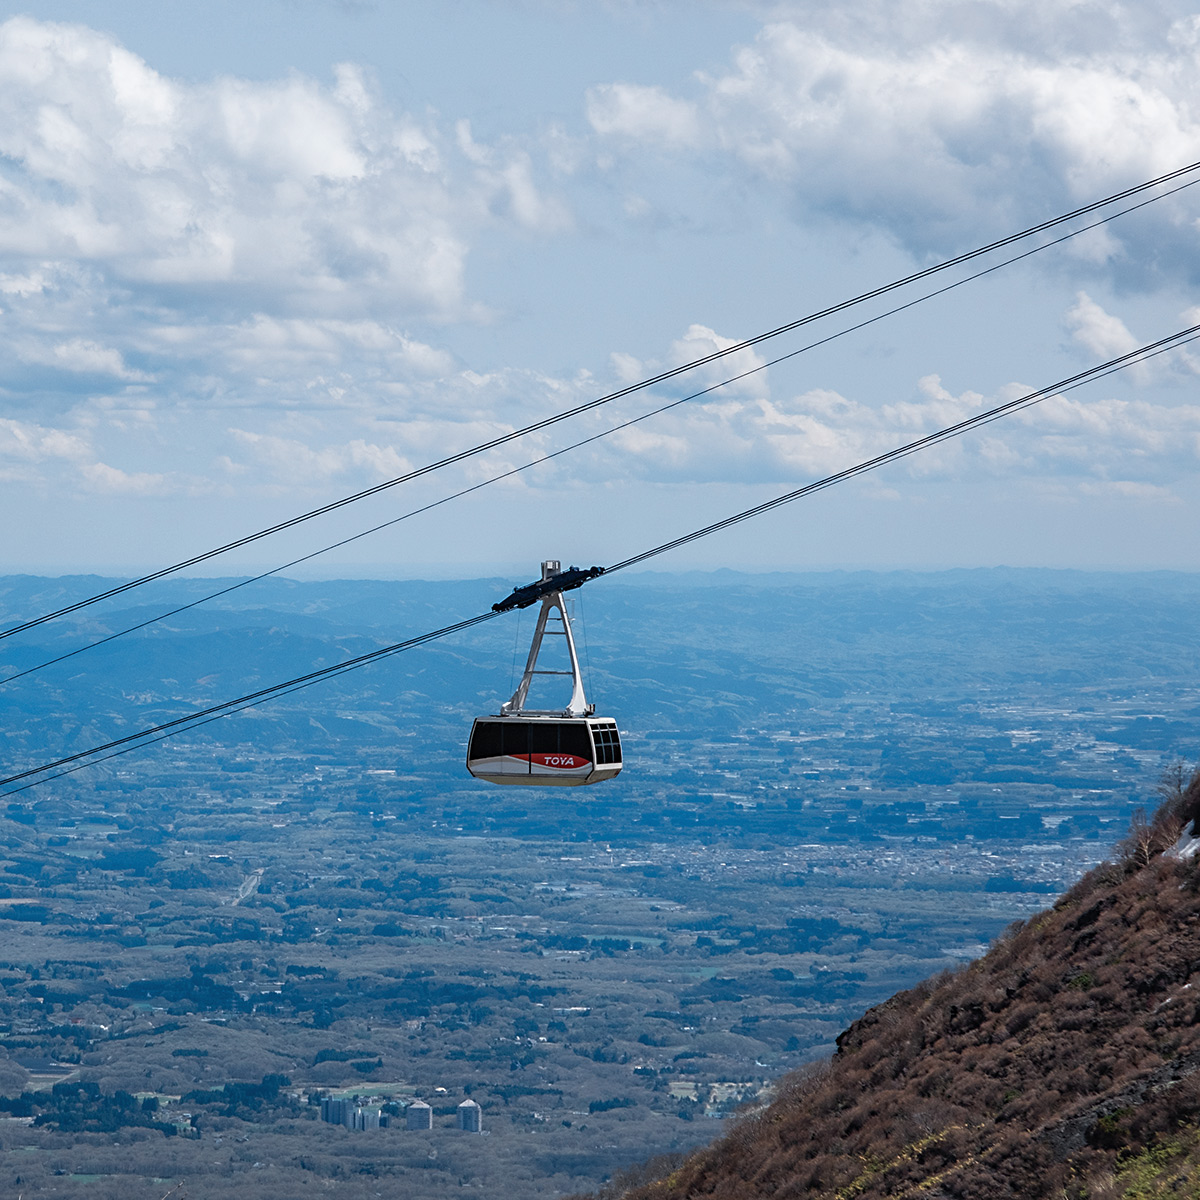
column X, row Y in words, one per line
column 656, row 644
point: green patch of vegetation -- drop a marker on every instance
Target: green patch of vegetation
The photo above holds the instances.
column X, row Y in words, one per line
column 1169, row 1168
column 81, row 1107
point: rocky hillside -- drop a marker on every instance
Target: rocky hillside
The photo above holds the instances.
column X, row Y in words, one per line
column 1063, row 1064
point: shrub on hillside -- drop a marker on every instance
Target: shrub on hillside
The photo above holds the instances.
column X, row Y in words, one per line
column 1071, row 1047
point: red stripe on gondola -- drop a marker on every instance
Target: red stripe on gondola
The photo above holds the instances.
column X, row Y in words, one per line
column 564, row 762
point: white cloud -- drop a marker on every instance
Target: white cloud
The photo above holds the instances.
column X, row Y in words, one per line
column 29, row 284
column 26, row 441
column 936, row 409
column 1129, row 489
column 100, row 477
column 318, row 196
column 821, row 432
column 188, row 246
column 940, row 122
column 698, row 342
column 628, row 368
column 505, row 178
column 294, row 351
column 1097, row 330
column 292, row 461
column 83, row 357
column 754, row 437
column 30, row 452
column 286, row 246
column 631, row 110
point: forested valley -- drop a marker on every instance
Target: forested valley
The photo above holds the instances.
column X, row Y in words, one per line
column 837, row 786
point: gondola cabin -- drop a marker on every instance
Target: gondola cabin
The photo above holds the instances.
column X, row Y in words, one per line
column 564, row 747
column 544, row 750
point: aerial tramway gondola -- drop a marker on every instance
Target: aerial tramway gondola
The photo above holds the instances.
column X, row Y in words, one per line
column 546, row 747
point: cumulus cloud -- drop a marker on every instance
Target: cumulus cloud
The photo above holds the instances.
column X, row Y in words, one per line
column 316, row 195
column 1099, row 331
column 505, row 176
column 941, row 122
column 300, row 360
column 169, row 247
column 23, row 285
column 804, row 437
column 745, row 433
column 1118, row 445
column 644, row 113
column 84, row 357
column 30, row 452
column 288, row 184
column 292, row 461
column 109, row 480
column 743, row 373
column 26, row 441
column 271, row 245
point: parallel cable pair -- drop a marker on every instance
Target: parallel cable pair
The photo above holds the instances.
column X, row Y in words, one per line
column 550, row 456
column 182, row 724
column 577, row 410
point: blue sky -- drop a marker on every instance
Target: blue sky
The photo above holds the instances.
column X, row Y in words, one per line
column 256, row 257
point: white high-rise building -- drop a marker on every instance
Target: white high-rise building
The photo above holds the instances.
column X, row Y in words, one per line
column 418, row 1115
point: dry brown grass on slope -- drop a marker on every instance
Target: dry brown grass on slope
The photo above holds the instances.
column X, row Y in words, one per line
column 1070, row 1048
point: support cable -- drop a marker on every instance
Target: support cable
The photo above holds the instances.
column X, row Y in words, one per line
column 654, row 412
column 179, row 724
column 661, row 377
column 214, row 712
column 1143, row 353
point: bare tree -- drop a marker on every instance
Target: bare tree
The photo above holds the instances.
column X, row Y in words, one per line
column 1179, row 786
column 1173, row 783
column 1140, row 844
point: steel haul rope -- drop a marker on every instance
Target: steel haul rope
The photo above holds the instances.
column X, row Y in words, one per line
column 577, row 410
column 581, row 442
column 576, row 577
